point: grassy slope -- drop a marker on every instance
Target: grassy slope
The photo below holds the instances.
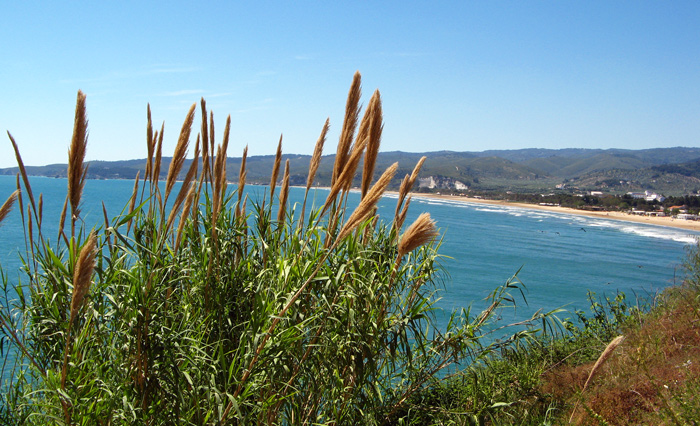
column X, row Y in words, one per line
column 653, row 377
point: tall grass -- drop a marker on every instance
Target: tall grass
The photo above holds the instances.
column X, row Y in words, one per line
column 205, row 311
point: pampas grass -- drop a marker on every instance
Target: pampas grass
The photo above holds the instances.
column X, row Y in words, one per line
column 375, row 128
column 76, row 158
column 159, row 154
column 368, row 203
column 23, row 172
column 614, row 343
column 180, row 152
column 205, row 140
column 352, row 112
column 132, row 201
column 420, row 232
column 604, row 356
column 284, row 194
column 230, row 312
column 313, row 167
column 276, row 169
column 150, row 142
column 82, row 275
column 241, row 181
column 407, row 186
column 7, row 205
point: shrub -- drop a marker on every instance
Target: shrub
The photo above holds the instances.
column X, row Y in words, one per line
column 200, row 306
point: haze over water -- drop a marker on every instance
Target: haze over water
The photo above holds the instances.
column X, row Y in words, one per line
column 562, row 256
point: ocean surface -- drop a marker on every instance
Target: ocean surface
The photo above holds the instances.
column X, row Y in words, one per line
column 560, row 256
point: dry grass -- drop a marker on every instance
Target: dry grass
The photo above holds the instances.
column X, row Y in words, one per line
column 284, row 194
column 276, row 169
column 421, row 231
column 76, row 157
column 374, row 135
column 82, row 275
column 7, row 205
column 368, row 203
column 352, row 113
column 180, row 152
column 645, row 380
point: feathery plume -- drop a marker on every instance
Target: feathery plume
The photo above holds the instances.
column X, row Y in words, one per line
column 205, row 138
column 82, row 275
column 352, row 112
column 150, row 142
column 344, row 181
column 159, row 156
column 62, row 220
column 132, row 202
column 41, row 212
column 241, row 180
column 7, row 205
column 313, row 167
column 276, row 169
column 401, row 218
column 367, row 204
column 180, row 152
column 420, row 232
column 185, row 213
column 602, row 358
column 189, row 178
column 22, row 171
column 407, row 184
column 284, row 194
column 76, row 157
column 316, row 156
column 374, row 140
column 218, row 177
column 211, row 140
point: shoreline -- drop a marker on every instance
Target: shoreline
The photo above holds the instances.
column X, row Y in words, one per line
column 619, row 216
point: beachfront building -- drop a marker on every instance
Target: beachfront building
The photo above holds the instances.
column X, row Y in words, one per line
column 648, row 196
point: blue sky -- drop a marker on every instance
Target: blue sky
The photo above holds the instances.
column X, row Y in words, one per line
column 462, row 76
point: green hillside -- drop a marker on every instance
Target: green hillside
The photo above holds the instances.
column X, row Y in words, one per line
column 674, row 171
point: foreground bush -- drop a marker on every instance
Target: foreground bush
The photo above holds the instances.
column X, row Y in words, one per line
column 200, row 306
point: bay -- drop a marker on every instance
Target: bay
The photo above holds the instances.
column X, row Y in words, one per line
column 560, row 256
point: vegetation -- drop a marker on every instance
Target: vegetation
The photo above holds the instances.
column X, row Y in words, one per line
column 622, row 364
column 199, row 306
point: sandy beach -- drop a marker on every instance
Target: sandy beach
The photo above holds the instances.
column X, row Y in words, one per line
column 659, row 221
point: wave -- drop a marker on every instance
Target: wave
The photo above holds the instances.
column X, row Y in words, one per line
column 640, row 229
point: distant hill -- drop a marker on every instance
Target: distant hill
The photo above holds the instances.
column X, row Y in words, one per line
column 675, row 171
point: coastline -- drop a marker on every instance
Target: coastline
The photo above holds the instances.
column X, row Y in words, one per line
column 657, row 221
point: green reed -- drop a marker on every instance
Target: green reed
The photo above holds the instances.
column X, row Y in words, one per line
column 205, row 307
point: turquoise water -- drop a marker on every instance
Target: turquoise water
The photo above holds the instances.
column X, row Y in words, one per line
column 562, row 256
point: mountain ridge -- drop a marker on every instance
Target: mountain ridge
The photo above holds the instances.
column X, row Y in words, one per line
column 675, row 170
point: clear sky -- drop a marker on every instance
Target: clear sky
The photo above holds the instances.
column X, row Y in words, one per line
column 462, row 76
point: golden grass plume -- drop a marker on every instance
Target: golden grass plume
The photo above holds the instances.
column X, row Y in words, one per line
column 614, row 343
column 352, row 112
column 159, row 154
column 76, row 156
column 421, row 231
column 276, row 169
column 316, row 156
column 82, row 274
column 375, row 127
column 180, row 151
column 369, row 202
column 7, row 205
column 284, row 194
column 150, row 142
column 23, row 172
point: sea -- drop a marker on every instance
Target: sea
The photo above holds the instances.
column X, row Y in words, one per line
column 558, row 257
